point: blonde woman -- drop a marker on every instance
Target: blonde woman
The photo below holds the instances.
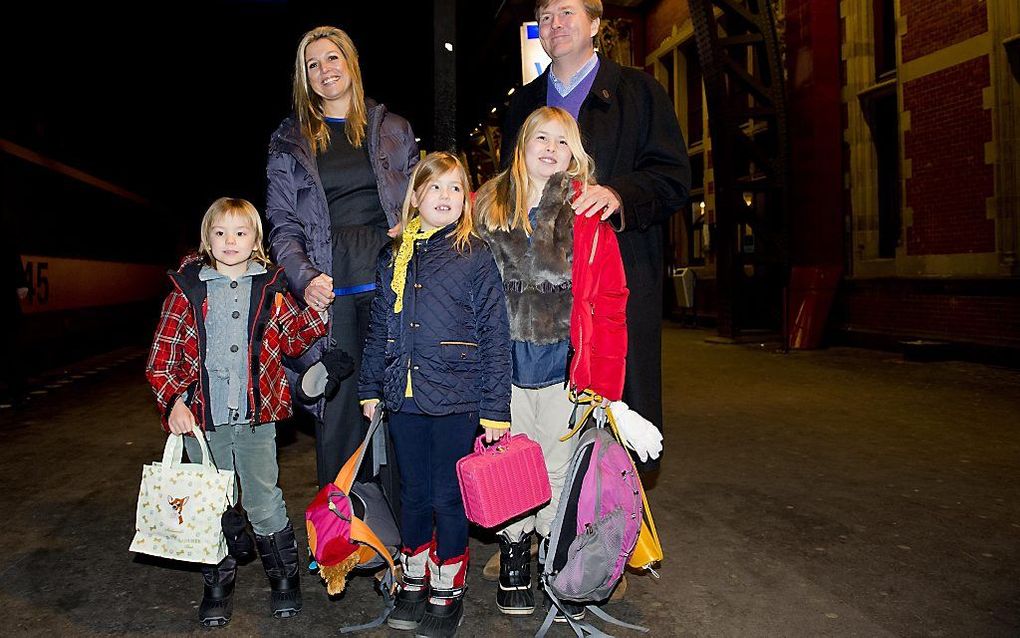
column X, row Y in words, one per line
column 338, row 170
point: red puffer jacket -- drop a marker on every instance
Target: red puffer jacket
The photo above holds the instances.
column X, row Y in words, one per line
column 598, row 315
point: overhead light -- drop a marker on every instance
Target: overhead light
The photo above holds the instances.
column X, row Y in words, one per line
column 448, row 45
column 511, row 91
column 417, row 139
column 493, row 110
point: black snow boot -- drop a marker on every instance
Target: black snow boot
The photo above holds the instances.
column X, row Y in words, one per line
column 279, row 555
column 514, row 595
column 445, row 609
column 240, row 543
column 218, row 593
column 413, row 596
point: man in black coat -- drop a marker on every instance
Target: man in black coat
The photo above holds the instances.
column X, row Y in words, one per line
column 629, row 128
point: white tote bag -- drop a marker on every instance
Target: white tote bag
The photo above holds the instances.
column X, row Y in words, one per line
column 180, row 506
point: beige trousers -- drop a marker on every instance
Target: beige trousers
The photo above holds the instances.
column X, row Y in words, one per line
column 543, row 415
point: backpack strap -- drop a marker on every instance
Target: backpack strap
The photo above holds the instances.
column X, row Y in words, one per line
column 589, row 399
column 345, row 478
column 385, row 587
column 616, row 621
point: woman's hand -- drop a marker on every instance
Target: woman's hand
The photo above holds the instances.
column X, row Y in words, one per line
column 369, row 408
column 597, row 199
column 396, row 230
column 319, row 292
column 493, row 434
column 181, row 420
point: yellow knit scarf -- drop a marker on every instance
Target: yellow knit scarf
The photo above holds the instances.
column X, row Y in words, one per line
column 400, row 263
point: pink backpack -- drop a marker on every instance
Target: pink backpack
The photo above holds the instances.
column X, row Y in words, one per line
column 596, row 526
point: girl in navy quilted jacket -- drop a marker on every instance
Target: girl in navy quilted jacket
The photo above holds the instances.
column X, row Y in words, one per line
column 438, row 358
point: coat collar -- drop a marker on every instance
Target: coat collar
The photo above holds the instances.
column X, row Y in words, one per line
column 187, row 279
column 288, row 138
column 603, row 88
column 606, row 80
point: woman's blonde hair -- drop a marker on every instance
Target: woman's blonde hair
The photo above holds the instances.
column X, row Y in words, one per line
column 435, row 164
column 308, row 105
column 231, row 206
column 503, row 200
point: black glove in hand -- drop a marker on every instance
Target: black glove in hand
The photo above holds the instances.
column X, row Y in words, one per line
column 339, row 366
column 323, row 379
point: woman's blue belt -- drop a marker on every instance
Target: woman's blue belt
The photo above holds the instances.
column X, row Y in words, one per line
column 353, row 290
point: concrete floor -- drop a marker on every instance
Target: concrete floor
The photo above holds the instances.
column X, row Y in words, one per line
column 830, row 493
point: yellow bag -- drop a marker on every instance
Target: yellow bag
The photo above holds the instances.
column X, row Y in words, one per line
column 648, row 550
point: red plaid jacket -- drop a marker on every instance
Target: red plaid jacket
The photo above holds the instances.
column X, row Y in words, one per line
column 276, row 326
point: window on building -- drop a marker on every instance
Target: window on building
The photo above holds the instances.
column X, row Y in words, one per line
column 885, row 133
column 670, row 74
column 885, row 38
column 692, row 95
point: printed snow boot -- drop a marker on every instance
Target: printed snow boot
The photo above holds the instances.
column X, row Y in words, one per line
column 413, row 596
column 240, row 543
column 445, row 609
column 514, row 595
column 218, row 593
column 279, row 554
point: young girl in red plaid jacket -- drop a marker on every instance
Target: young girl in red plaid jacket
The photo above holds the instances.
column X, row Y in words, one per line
column 216, row 363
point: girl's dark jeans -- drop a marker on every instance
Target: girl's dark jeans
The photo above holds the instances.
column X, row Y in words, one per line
column 428, row 448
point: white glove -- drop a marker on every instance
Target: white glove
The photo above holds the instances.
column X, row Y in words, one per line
column 637, row 432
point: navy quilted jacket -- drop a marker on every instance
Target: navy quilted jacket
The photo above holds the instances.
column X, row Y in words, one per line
column 452, row 334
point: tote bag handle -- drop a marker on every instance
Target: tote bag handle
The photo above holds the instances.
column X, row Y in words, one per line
column 174, row 449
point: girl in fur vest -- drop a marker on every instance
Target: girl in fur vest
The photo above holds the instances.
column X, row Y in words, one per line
column 525, row 214
column 438, row 357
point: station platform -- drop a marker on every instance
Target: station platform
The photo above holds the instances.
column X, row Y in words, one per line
column 838, row 492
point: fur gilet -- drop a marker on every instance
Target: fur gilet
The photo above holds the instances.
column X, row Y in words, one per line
column 536, row 275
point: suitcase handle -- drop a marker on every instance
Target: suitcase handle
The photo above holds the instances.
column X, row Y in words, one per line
column 496, row 447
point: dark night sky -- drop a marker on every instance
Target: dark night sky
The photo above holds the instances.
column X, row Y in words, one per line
column 176, row 101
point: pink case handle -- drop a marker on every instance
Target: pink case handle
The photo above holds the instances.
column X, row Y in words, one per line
column 480, row 447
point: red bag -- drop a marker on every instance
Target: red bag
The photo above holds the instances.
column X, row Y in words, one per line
column 503, row 480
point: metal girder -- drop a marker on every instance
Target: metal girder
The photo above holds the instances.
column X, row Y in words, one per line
column 745, row 91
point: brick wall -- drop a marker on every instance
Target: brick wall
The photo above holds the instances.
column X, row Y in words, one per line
column 945, row 144
column 936, row 24
column 911, row 308
column 661, row 18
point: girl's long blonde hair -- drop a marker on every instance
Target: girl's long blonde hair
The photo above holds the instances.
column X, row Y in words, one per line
column 502, row 202
column 434, row 165
column 231, row 206
column 308, row 105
